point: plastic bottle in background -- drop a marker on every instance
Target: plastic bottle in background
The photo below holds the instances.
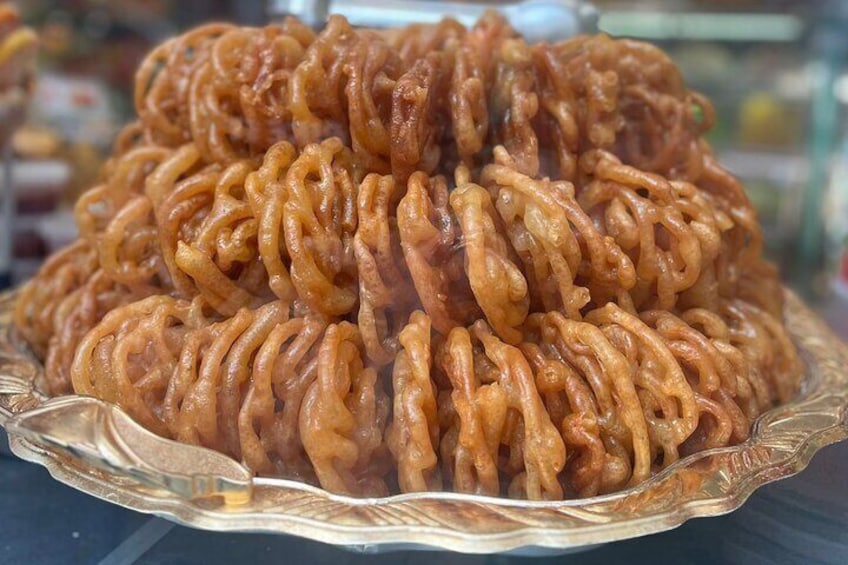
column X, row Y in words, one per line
column 836, row 228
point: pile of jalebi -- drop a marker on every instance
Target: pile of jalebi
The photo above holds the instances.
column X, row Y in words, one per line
column 434, row 258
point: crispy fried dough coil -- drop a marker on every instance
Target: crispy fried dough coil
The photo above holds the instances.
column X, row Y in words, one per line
column 429, row 258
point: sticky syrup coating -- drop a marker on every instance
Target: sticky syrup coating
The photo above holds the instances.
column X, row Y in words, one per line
column 432, row 258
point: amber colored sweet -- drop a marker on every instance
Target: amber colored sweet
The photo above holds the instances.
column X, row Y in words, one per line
column 420, row 259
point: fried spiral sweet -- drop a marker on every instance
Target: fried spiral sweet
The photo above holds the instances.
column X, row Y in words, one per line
column 419, row 259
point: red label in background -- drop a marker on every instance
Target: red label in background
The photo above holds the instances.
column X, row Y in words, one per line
column 843, row 271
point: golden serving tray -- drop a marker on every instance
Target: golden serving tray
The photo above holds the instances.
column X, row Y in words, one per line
column 94, row 447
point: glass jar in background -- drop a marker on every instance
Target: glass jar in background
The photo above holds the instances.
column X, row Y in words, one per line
column 835, row 214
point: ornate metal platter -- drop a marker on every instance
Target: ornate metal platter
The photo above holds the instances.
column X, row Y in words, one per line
column 96, row 448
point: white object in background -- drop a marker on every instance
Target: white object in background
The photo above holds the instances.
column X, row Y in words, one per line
column 536, row 20
column 80, row 109
column 57, row 230
column 38, row 178
column 31, row 189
